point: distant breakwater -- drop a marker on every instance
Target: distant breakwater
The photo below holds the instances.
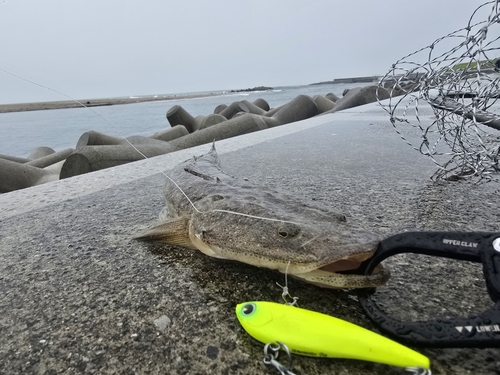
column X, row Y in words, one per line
column 21, row 107
column 78, row 103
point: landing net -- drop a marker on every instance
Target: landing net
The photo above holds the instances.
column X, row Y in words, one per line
column 459, row 77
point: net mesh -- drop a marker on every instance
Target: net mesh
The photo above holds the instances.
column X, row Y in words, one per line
column 458, row 76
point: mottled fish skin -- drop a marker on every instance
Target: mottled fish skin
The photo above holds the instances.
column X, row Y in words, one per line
column 232, row 218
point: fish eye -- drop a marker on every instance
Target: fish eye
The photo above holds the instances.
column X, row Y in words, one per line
column 288, row 230
column 248, row 309
column 282, row 232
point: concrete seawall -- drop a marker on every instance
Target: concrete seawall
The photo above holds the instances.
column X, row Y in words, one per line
column 80, row 297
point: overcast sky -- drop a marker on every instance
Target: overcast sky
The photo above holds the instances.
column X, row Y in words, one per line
column 106, row 48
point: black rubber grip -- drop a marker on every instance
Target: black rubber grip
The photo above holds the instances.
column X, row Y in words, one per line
column 482, row 330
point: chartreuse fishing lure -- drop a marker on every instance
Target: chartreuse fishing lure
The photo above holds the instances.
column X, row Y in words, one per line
column 313, row 334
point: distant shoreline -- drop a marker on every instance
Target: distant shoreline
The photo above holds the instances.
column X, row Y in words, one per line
column 39, row 106
column 369, row 79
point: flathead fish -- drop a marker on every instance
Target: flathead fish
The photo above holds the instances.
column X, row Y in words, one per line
column 231, row 218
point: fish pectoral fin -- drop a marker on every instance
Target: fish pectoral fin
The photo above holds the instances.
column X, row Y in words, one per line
column 174, row 232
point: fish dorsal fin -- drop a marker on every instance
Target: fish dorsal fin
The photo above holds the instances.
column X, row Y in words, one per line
column 215, row 155
column 174, row 232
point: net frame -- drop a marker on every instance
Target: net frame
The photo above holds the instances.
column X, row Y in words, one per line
column 462, row 85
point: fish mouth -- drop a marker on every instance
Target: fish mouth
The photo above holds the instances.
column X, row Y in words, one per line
column 344, row 273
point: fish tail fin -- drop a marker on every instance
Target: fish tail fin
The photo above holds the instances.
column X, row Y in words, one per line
column 174, row 232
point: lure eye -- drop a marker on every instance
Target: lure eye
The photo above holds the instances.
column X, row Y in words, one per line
column 248, row 309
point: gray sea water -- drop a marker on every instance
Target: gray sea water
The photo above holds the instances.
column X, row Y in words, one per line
column 22, row 132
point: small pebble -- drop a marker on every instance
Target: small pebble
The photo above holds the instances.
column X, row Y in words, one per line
column 162, row 322
column 212, row 352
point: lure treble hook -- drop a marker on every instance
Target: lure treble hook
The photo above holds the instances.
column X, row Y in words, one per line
column 271, row 353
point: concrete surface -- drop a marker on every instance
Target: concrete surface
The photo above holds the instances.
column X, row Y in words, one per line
column 80, row 297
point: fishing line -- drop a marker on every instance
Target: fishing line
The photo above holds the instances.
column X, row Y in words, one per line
column 139, row 152
column 286, row 293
